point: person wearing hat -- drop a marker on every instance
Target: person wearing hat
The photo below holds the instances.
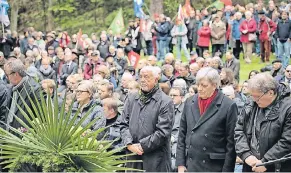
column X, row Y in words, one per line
column 92, row 66
column 51, row 41
column 278, row 68
column 266, row 30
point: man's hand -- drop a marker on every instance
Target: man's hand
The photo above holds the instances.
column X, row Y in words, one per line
column 260, row 168
column 135, row 148
column 181, row 169
column 251, row 161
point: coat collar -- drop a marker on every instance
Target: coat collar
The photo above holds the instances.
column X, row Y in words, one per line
column 210, row 112
column 156, row 96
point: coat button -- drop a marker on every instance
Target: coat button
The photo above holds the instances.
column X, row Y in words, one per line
column 190, row 146
column 204, row 161
column 192, row 132
column 190, row 158
column 206, row 135
column 204, row 149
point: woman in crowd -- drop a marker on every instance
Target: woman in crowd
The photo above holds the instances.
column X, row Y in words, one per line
column 204, row 34
column 85, row 101
column 253, row 73
column 226, row 77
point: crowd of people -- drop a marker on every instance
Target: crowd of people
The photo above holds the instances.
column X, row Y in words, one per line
column 174, row 115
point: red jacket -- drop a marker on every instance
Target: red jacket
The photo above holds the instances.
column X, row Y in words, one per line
column 251, row 26
column 204, row 36
column 266, row 26
column 88, row 73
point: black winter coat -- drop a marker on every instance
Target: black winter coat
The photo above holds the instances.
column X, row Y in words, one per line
column 149, row 124
column 275, row 132
column 206, row 143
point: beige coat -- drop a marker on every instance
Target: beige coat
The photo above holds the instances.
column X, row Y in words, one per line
column 218, row 31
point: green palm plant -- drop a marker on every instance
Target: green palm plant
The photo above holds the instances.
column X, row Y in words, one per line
column 53, row 142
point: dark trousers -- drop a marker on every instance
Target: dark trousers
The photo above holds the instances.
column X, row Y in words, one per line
column 265, row 50
column 218, row 48
column 190, row 45
column 149, row 45
column 201, row 49
column 238, row 48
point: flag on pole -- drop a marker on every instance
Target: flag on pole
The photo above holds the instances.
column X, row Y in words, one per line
column 217, row 4
column 180, row 15
column 117, row 25
column 187, row 8
column 79, row 39
column 4, row 12
column 138, row 12
column 133, row 58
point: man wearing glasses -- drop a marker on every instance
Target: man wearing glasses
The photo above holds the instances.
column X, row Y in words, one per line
column 23, row 86
column 263, row 130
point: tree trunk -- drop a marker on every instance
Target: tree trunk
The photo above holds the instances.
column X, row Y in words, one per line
column 50, row 19
column 156, row 7
column 14, row 15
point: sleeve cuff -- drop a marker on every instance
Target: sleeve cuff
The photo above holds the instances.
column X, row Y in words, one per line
column 245, row 155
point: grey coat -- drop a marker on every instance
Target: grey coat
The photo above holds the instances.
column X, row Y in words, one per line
column 68, row 70
column 234, row 65
column 149, row 124
column 176, row 34
column 206, row 143
column 218, row 31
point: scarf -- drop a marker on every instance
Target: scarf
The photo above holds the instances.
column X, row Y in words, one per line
column 46, row 72
column 145, row 96
column 205, row 103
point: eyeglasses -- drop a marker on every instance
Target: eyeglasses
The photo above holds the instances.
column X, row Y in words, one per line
column 81, row 91
column 288, row 71
column 258, row 99
column 174, row 95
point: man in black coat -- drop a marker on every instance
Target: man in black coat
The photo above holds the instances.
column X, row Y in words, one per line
column 69, row 68
column 263, row 130
column 146, row 126
column 206, row 133
column 23, row 87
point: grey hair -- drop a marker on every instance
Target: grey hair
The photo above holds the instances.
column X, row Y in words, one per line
column 127, row 75
column 248, row 13
column 89, row 86
column 151, row 69
column 228, row 90
column 167, row 67
column 263, row 82
column 180, row 83
column 210, row 74
column 16, row 66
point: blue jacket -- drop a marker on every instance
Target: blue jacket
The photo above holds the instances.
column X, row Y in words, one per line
column 235, row 29
column 163, row 31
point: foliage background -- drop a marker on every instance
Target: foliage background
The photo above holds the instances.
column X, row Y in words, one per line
column 90, row 15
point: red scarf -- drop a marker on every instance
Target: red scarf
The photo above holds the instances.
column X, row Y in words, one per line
column 204, row 103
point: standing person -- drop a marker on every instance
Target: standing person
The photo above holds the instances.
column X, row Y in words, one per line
column 148, row 35
column 22, row 86
column 179, row 34
column 103, row 46
column 232, row 63
column 236, row 34
column 146, row 126
column 283, row 34
column 68, row 68
column 218, row 30
column 91, row 68
column 266, row 29
column 263, row 129
column 206, row 133
column 177, row 94
column 204, row 38
column 192, row 30
column 162, row 30
column 248, row 28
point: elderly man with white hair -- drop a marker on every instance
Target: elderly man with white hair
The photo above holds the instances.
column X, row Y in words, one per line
column 206, row 133
column 146, row 124
column 123, row 89
column 263, row 130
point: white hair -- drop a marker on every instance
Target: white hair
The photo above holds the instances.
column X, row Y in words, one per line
column 210, row 74
column 180, row 83
column 151, row 69
column 248, row 13
column 228, row 91
column 127, row 75
column 263, row 82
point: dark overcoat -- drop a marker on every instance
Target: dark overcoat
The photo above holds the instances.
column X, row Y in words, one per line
column 206, row 143
column 149, row 124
